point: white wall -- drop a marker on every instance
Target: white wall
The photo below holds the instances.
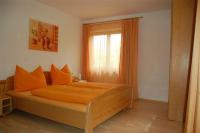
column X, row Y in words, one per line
column 14, row 24
column 154, row 53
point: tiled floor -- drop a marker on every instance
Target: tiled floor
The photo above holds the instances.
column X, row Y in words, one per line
column 147, row 117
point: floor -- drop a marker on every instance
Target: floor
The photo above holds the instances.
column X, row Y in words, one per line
column 147, row 117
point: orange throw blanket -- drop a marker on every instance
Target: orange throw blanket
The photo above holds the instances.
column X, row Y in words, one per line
column 73, row 94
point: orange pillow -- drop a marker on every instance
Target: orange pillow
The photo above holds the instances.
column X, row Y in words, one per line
column 65, row 69
column 25, row 81
column 60, row 77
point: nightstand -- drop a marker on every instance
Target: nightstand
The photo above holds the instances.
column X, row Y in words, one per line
column 5, row 105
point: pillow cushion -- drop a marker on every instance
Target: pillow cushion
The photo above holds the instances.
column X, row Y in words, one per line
column 60, row 77
column 65, row 69
column 25, row 81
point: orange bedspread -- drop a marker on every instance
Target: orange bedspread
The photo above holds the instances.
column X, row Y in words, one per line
column 96, row 85
column 70, row 93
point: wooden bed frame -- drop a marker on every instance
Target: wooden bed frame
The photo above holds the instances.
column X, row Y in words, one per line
column 96, row 112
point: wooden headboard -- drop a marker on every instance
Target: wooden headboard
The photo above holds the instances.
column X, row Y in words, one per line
column 2, row 87
column 9, row 84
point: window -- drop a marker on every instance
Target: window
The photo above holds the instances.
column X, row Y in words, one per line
column 105, row 53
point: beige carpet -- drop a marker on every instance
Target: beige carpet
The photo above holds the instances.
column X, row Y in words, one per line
column 147, row 117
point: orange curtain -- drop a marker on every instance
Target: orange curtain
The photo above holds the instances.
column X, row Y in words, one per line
column 129, row 55
column 85, row 52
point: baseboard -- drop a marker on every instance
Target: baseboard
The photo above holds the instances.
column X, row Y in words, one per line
column 151, row 100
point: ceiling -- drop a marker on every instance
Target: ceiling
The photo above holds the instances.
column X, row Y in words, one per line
column 91, row 9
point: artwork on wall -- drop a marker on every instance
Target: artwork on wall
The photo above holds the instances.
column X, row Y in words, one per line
column 43, row 36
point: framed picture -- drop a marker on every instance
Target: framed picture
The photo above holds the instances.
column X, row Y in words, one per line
column 43, row 36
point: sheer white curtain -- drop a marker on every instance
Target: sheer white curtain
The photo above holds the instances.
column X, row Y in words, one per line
column 101, row 51
column 105, row 53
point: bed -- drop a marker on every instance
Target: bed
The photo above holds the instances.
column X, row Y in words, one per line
column 84, row 116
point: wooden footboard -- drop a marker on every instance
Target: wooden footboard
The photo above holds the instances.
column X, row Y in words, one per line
column 105, row 106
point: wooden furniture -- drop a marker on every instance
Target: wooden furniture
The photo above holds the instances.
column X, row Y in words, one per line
column 182, row 36
column 2, row 87
column 192, row 124
column 82, row 116
column 5, row 105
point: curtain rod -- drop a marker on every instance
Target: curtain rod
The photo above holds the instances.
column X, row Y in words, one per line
column 107, row 21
